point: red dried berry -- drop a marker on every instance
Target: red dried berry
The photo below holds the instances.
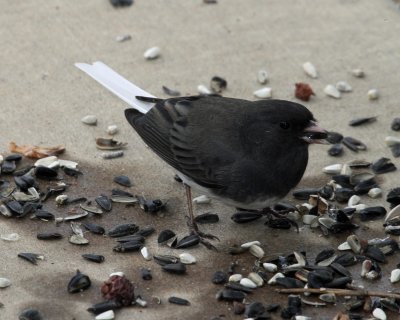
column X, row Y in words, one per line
column 119, row 289
column 303, row 91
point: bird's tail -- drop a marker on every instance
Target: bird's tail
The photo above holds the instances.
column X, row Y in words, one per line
column 117, row 84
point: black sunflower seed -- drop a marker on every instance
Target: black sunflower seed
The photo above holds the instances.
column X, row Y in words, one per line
column 104, row 202
column 119, row 192
column 16, row 208
column 279, row 223
column 354, row 144
column 162, row 260
column 24, row 182
column 342, row 227
column 343, row 194
column 8, row 167
column 340, row 282
column 254, row 310
column 360, row 121
column 145, row 231
column 219, row 277
column 71, row 172
column 383, row 165
column 395, row 150
column 238, row 287
column 49, row 236
column 375, row 253
column 364, row 186
column 245, row 217
column 324, row 254
column 152, row 206
column 346, row 259
column 122, row 230
column 336, row 150
column 44, row 215
column 304, row 194
column 179, row 301
column 94, row 228
column 187, row 242
column 13, row 157
column 128, row 246
column 165, row 235
column 218, row 84
column 340, row 269
column 93, row 257
column 177, row 268
column 146, row 274
column 105, row 306
column 372, row 213
column 78, row 283
column 207, row 218
column 121, row 3
column 393, row 197
column 123, row 181
column 231, row 295
column 31, row 257
column 289, row 283
column 334, row 137
column 30, row 314
column 132, row 237
column 45, row 173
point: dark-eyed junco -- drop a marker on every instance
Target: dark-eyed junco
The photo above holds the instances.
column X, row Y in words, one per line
column 247, row 154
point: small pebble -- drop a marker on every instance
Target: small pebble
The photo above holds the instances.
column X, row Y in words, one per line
column 4, row 282
column 343, row 86
column 375, row 193
column 246, row 282
column 202, row 89
column 90, row 120
column 108, row 315
column 123, row 38
column 10, row 237
column 220, row 277
column 358, row 73
column 373, row 94
column 145, row 253
column 310, row 70
column 330, row 90
column 112, row 129
column 263, row 93
column 395, row 276
column 152, row 53
column 262, row 76
column 187, row 258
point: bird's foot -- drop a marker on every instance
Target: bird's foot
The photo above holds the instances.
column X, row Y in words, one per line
column 279, row 219
column 194, row 229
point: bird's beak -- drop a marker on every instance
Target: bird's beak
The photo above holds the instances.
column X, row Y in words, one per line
column 314, row 134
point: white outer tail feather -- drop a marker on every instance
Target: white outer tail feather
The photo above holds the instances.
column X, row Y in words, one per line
column 117, row 84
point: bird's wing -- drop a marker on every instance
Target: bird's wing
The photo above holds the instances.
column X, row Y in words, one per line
column 173, row 131
column 117, row 84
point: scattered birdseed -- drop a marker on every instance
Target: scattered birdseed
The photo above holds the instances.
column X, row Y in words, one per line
column 123, row 38
column 90, row 120
column 373, row 94
column 263, row 93
column 310, row 70
column 331, row 91
column 152, row 53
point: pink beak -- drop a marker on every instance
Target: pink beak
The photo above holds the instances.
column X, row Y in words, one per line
column 315, row 134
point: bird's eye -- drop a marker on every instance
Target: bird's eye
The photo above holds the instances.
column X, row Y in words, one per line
column 284, row 125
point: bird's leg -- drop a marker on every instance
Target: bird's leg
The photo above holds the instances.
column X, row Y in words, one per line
column 192, row 224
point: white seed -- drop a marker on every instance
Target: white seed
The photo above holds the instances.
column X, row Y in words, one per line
column 327, row 262
column 272, row 281
column 145, row 253
column 10, row 237
column 358, row 73
column 326, row 222
column 395, row 276
column 344, row 246
column 61, row 199
column 379, row 314
column 270, row 267
column 117, row 273
column 1, row 159
column 354, row 243
column 262, row 76
column 359, row 207
column 302, row 318
column 152, row 53
column 392, row 141
column 33, row 192
column 333, row 168
column 201, row 199
column 307, row 293
column 365, row 268
column 90, row 120
column 330, row 90
column 202, row 89
column 187, row 258
column 395, row 212
column 375, row 192
column 235, row 277
column 112, row 129
column 343, row 86
column 346, row 170
column 246, row 282
column 108, row 315
column 256, row 251
column 46, row 162
column 255, row 277
column 310, row 70
column 263, row 93
column 68, row 164
column 4, row 282
column 123, row 37
column 373, row 94
column 354, row 200
column 247, row 245
column 309, row 218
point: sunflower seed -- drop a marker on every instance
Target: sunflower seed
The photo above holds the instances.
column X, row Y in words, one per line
column 30, row 314
column 219, row 277
column 177, row 268
column 343, row 86
column 104, row 202
column 373, row 94
column 106, row 315
column 152, row 53
column 375, row 193
column 90, row 120
column 392, row 141
column 170, row 92
column 78, row 239
column 94, row 228
column 93, row 257
column 165, row 236
column 31, row 257
column 378, row 313
column 274, row 278
column 4, row 282
column 145, row 253
column 123, row 181
column 354, row 144
column 187, row 258
column 383, row 165
column 235, row 277
column 122, row 230
column 263, row 93
column 178, row 301
column 49, row 236
column 201, row 199
column 206, row 218
column 331, row 91
column 256, row 251
column 203, row 90
column 245, row 217
column 112, row 129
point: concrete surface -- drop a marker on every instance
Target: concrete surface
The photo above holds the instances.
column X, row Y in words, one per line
column 43, row 98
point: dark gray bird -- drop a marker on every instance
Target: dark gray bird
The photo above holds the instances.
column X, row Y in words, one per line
column 247, row 154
